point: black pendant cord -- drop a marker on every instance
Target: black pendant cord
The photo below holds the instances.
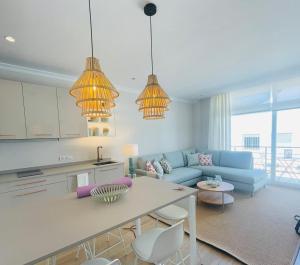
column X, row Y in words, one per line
column 151, row 45
column 91, row 29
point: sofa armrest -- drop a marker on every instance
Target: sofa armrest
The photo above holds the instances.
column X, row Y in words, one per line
column 142, row 172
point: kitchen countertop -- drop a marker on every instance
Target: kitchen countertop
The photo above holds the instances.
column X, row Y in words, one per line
column 51, row 170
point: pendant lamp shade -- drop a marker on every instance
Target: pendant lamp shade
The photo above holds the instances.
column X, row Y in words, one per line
column 94, row 93
column 153, row 101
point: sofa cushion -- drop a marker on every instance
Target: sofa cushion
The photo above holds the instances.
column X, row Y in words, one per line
column 248, row 176
column 142, row 160
column 165, row 164
column 193, row 159
column 149, row 167
column 215, row 155
column 186, row 152
column 182, row 174
column 158, row 168
column 205, row 160
column 175, row 158
column 236, row 159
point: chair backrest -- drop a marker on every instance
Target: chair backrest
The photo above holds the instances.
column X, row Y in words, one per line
column 167, row 243
column 115, row 262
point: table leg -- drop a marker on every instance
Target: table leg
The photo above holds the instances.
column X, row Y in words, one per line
column 138, row 227
column 223, row 206
column 52, row 260
column 192, row 226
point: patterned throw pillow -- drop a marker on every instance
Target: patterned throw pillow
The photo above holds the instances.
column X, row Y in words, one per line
column 158, row 168
column 166, row 166
column 149, row 167
column 192, row 159
column 187, row 152
column 205, row 160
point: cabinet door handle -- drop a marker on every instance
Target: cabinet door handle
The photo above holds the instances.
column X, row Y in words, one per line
column 109, row 169
column 33, row 182
column 28, row 193
column 43, row 134
column 72, row 134
column 11, row 135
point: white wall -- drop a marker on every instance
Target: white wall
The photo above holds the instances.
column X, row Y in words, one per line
column 174, row 132
column 201, row 123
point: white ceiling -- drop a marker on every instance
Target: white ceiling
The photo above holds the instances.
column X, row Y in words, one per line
column 200, row 46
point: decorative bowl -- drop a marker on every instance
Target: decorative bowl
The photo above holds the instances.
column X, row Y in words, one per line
column 109, row 192
column 213, row 183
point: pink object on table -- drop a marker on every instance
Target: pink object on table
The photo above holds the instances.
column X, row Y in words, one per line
column 123, row 180
column 84, row 191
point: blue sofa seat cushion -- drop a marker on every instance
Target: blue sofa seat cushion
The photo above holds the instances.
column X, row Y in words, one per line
column 175, row 158
column 248, row 176
column 182, row 174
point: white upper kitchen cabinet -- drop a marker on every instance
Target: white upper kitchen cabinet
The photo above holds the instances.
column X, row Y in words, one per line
column 72, row 124
column 41, row 111
column 12, row 120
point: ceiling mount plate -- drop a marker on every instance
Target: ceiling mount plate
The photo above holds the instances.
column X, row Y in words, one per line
column 150, row 9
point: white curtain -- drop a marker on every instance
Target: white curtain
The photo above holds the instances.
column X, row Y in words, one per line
column 219, row 122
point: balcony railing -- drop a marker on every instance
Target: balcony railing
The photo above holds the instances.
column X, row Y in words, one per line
column 287, row 167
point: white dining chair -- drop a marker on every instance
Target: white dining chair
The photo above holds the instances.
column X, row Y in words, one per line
column 101, row 261
column 172, row 213
column 51, row 261
column 157, row 245
column 90, row 251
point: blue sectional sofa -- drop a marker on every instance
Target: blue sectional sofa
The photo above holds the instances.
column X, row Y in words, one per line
column 234, row 167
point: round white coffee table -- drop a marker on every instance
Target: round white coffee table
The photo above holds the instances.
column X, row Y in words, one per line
column 215, row 196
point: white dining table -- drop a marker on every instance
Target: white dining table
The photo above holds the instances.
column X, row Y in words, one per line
column 33, row 232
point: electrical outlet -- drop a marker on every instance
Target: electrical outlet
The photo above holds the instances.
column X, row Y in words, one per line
column 65, row 158
column 69, row 157
column 62, row 158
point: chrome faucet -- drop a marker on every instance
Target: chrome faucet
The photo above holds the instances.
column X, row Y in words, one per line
column 99, row 156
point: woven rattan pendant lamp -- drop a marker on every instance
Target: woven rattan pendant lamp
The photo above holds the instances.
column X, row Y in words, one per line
column 94, row 93
column 153, row 101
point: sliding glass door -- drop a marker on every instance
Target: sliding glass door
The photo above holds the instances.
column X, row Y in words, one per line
column 274, row 139
column 265, row 120
column 253, row 132
column 287, row 169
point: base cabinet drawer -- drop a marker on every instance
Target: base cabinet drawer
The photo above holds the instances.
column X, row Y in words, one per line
column 30, row 182
column 31, row 194
column 106, row 175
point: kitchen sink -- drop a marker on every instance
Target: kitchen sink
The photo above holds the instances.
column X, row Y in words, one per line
column 104, row 163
